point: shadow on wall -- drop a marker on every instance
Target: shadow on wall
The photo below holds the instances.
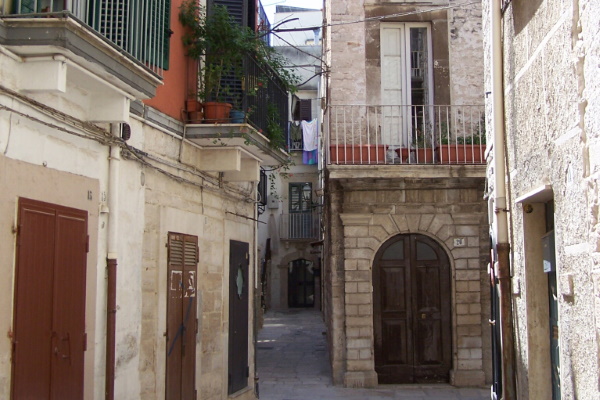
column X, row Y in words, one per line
column 523, row 11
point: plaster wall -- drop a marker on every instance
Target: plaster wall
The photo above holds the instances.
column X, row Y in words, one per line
column 49, row 156
column 206, row 212
column 551, row 90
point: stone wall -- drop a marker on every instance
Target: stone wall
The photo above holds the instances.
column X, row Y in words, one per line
column 371, row 214
column 551, row 89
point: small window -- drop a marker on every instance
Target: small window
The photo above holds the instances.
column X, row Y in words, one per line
column 306, row 110
column 300, row 197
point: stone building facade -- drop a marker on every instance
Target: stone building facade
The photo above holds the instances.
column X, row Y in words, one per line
column 550, row 52
column 128, row 239
column 406, row 252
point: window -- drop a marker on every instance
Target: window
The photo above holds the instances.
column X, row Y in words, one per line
column 300, row 197
column 406, row 80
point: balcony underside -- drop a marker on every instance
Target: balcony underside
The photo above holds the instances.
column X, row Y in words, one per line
column 387, row 173
column 61, row 54
column 219, row 136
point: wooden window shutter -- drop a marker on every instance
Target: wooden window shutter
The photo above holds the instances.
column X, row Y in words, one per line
column 183, row 249
column 306, row 110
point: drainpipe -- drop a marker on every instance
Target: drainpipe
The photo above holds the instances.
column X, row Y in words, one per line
column 502, row 264
column 111, row 263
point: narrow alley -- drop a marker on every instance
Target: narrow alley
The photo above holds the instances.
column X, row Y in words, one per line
column 292, row 365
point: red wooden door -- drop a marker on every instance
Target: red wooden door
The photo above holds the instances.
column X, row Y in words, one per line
column 49, row 317
column 181, row 316
column 411, row 294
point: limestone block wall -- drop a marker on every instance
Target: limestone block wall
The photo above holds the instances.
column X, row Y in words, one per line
column 345, row 49
column 465, row 44
column 551, row 90
column 370, row 216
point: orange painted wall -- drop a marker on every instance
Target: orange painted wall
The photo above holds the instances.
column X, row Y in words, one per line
column 181, row 79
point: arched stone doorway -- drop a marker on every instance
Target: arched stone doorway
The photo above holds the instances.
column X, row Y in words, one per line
column 412, row 311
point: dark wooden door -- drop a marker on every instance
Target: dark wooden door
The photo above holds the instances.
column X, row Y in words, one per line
column 181, row 316
column 411, row 294
column 49, row 318
column 301, row 284
column 239, row 262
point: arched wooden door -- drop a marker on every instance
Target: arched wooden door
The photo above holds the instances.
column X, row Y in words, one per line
column 411, row 311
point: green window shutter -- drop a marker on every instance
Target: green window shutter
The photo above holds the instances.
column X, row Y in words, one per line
column 166, row 35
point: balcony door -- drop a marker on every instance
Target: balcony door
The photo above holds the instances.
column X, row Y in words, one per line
column 406, row 83
column 300, row 224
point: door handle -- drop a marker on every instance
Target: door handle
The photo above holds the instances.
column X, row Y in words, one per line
column 423, row 315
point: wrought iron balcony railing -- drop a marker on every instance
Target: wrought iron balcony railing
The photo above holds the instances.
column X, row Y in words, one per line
column 139, row 27
column 299, row 226
column 406, row 134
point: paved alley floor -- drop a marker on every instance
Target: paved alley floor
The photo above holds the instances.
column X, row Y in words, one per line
column 293, row 364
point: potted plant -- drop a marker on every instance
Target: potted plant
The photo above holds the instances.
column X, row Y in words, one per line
column 467, row 149
column 221, row 44
column 420, row 151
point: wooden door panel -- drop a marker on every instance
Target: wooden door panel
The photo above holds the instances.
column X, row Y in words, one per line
column 238, row 315
column 33, row 303
column 428, row 343
column 394, row 290
column 398, row 349
column 181, row 316
column 189, row 313
column 49, row 302
column 411, row 293
column 69, row 298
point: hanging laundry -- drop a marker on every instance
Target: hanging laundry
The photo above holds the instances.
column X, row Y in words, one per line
column 310, row 135
column 296, row 136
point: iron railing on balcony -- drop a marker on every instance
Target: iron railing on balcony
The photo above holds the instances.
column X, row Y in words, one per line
column 406, row 134
column 299, row 226
column 139, row 27
column 261, row 94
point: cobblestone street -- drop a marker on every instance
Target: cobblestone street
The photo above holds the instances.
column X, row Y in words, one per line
column 293, row 365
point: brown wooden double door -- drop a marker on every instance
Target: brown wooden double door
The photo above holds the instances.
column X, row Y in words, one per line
column 49, row 315
column 411, row 311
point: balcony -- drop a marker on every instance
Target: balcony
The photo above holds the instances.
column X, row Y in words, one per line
column 267, row 102
column 406, row 135
column 299, row 226
column 139, row 29
column 84, row 55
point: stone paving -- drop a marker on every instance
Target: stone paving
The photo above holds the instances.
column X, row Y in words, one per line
column 292, row 364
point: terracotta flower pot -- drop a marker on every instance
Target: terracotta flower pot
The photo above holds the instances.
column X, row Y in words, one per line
column 192, row 105
column 462, row 153
column 357, row 154
column 422, row 155
column 216, row 113
column 195, row 117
